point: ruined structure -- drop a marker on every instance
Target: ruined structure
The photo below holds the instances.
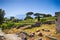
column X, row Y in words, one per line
column 57, row 15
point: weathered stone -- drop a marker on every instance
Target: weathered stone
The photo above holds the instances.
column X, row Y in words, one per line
column 40, row 34
column 55, row 32
column 42, row 29
column 50, row 38
column 38, row 31
column 32, row 35
column 1, row 34
column 36, row 24
column 47, row 34
column 23, row 35
column 1, row 37
column 23, row 25
column 39, row 38
column 57, row 21
column 12, row 37
column 47, row 30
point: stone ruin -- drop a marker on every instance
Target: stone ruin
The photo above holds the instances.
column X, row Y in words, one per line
column 50, row 37
column 20, row 36
column 57, row 21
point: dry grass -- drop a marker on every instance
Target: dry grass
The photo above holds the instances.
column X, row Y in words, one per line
column 28, row 31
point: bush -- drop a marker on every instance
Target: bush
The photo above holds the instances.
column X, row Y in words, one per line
column 17, row 24
column 4, row 26
column 10, row 24
column 7, row 25
column 43, row 20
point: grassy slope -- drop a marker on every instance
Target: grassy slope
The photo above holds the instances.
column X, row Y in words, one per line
column 50, row 27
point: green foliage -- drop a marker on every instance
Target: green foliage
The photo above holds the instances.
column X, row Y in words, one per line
column 43, row 20
column 4, row 26
column 38, row 16
column 28, row 17
column 50, row 18
column 17, row 20
column 29, row 13
column 17, row 24
column 47, row 15
column 10, row 24
column 12, row 18
column 7, row 25
column 2, row 13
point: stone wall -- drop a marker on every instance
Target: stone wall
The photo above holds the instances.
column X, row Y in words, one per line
column 57, row 21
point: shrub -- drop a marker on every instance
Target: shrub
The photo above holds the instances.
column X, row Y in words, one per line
column 7, row 25
column 43, row 20
column 4, row 26
column 10, row 24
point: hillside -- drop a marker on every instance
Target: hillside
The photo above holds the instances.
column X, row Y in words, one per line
column 33, row 30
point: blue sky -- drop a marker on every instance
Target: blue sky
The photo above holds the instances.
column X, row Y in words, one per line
column 18, row 8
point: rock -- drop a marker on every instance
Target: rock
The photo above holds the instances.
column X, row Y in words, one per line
column 28, row 27
column 12, row 37
column 42, row 29
column 55, row 32
column 38, row 31
column 40, row 34
column 23, row 35
column 19, row 26
column 39, row 38
column 32, row 35
column 1, row 37
column 47, row 30
column 36, row 24
column 1, row 34
column 47, row 34
column 23, row 25
column 50, row 38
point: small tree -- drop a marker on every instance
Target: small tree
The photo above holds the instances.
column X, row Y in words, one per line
column 2, row 13
column 47, row 15
column 28, row 15
column 38, row 16
column 12, row 18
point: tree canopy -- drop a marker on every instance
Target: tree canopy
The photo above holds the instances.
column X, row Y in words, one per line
column 37, row 16
column 47, row 15
column 29, row 13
